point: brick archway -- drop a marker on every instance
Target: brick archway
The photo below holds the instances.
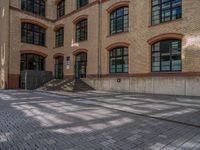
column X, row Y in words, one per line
column 118, row 44
column 165, row 36
column 76, row 52
column 58, row 27
column 57, row 1
column 34, row 22
column 79, row 18
column 117, row 5
column 33, row 52
column 58, row 55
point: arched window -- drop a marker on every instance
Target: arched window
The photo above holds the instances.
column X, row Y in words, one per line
column 59, row 37
column 81, row 30
column 119, row 60
column 119, row 20
column 166, row 10
column 34, row 6
column 61, row 9
column 32, row 62
column 166, row 56
column 33, row 34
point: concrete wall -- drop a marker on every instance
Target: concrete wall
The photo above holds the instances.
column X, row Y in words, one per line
column 156, row 85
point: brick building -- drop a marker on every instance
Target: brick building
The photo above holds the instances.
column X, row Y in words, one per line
column 150, row 46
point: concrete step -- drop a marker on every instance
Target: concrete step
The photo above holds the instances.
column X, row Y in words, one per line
column 66, row 85
column 79, row 85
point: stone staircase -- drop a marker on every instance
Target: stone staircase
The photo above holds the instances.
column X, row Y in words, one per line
column 66, row 85
column 79, row 85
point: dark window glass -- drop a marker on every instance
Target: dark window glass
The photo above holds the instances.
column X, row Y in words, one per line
column 34, row 6
column 119, row 21
column 166, row 10
column 32, row 34
column 81, row 30
column 61, row 9
column 81, row 3
column 59, row 37
column 32, row 62
column 119, row 60
column 166, row 56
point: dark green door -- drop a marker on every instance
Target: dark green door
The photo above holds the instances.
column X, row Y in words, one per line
column 59, row 68
column 81, row 65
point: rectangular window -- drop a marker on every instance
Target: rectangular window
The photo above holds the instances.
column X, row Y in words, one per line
column 32, row 62
column 81, row 30
column 61, row 9
column 34, row 6
column 81, row 3
column 119, row 60
column 60, row 37
column 166, row 56
column 119, row 20
column 165, row 10
column 32, row 34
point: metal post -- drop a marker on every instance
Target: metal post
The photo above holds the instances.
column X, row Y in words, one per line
column 25, row 80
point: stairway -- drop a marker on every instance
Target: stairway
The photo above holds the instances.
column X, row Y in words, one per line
column 55, row 84
column 79, row 85
column 66, row 85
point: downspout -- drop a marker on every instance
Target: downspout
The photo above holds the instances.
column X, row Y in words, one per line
column 99, row 38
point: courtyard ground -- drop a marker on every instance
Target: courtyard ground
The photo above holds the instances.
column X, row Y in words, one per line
column 98, row 120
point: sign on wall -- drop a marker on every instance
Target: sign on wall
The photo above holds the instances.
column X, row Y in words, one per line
column 68, row 62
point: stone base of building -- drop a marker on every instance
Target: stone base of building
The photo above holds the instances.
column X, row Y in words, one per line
column 187, row 86
column 13, row 81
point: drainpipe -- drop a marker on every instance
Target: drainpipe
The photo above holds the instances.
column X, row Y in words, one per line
column 99, row 38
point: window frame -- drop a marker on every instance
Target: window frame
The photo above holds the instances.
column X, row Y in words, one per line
column 59, row 37
column 82, row 28
column 29, row 34
column 81, row 3
column 34, row 6
column 114, row 30
column 61, row 9
column 161, row 10
column 170, row 52
column 122, row 48
column 40, row 61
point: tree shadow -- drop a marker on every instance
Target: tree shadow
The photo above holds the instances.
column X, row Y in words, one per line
column 33, row 121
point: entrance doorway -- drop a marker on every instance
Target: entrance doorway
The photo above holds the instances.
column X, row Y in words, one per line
column 31, row 66
column 59, row 67
column 81, row 65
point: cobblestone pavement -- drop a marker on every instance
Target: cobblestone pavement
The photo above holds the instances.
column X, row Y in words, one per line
column 98, row 120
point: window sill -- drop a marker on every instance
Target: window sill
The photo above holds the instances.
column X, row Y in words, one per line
column 166, row 72
column 119, row 74
column 34, row 44
column 152, row 74
column 80, row 41
column 167, row 22
column 34, row 14
column 58, row 47
column 81, row 7
column 117, row 34
column 60, row 17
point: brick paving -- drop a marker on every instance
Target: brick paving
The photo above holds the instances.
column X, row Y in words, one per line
column 98, row 120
